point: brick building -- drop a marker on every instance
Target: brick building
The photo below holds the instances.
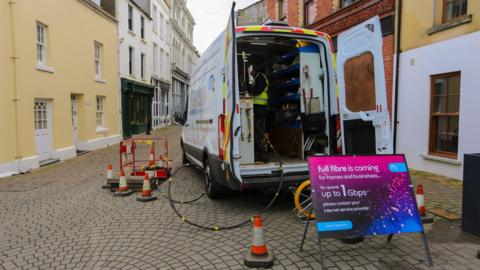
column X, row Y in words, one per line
column 336, row 16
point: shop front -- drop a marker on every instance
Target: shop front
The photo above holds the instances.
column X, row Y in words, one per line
column 136, row 107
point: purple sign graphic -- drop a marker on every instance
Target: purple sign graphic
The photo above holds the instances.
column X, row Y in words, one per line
column 363, row 195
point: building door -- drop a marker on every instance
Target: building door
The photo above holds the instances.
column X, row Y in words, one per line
column 156, row 113
column 74, row 119
column 164, row 108
column 365, row 120
column 43, row 128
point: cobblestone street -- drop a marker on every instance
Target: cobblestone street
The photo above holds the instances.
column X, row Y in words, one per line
column 58, row 217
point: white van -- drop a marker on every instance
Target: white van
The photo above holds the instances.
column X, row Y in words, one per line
column 308, row 112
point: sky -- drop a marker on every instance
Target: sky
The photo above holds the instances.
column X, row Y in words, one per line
column 211, row 18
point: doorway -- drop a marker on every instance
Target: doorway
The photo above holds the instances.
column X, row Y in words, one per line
column 74, row 109
column 43, row 128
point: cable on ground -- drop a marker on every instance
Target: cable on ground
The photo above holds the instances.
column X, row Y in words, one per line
column 231, row 227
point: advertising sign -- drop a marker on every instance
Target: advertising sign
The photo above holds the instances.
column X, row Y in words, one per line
column 362, row 195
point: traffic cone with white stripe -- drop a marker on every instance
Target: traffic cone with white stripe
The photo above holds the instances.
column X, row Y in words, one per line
column 146, row 191
column 152, row 155
column 422, row 211
column 420, row 200
column 109, row 176
column 123, row 189
column 258, row 255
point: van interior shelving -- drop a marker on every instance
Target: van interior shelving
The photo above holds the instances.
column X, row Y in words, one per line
column 295, row 122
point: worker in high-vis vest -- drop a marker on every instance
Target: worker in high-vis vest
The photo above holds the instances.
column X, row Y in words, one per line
column 260, row 102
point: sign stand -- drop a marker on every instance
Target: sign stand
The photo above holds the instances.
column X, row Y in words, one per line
column 339, row 199
column 389, row 239
column 322, row 262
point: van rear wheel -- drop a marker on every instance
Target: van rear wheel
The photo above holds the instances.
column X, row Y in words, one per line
column 212, row 188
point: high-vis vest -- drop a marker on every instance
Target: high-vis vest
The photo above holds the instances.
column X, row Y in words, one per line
column 262, row 98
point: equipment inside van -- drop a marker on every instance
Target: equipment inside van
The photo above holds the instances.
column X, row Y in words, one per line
column 295, row 118
column 313, row 105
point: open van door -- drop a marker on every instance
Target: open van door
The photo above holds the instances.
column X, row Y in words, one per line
column 365, row 120
column 230, row 94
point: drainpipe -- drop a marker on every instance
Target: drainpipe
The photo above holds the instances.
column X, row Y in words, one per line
column 16, row 99
column 398, row 13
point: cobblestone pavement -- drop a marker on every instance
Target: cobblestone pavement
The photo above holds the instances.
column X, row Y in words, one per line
column 443, row 196
column 58, row 217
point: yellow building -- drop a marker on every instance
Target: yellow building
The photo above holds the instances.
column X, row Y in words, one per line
column 438, row 96
column 59, row 80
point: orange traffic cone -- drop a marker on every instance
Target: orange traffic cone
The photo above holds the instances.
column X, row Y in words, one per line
column 109, row 171
column 160, row 161
column 146, row 191
column 123, row 189
column 420, row 200
column 422, row 211
column 152, row 156
column 258, row 255
column 109, row 176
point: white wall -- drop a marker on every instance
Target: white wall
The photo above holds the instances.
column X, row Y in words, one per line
column 133, row 38
column 458, row 54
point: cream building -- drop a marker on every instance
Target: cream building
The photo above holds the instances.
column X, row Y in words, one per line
column 59, row 74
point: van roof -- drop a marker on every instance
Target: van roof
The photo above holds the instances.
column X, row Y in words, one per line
column 280, row 29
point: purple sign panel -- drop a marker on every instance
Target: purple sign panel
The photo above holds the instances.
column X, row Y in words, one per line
column 363, row 195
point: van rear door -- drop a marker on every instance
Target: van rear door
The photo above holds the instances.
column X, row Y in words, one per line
column 230, row 100
column 365, row 120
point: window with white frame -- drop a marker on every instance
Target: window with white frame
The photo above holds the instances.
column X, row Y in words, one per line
column 100, row 112
column 130, row 18
column 161, row 30
column 41, row 44
column 142, row 65
column 130, row 60
column 98, row 2
column 167, row 64
column 155, row 58
column 98, row 54
column 155, row 18
column 162, row 63
column 142, row 27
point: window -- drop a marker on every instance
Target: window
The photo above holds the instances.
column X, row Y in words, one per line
column 360, row 83
column 155, row 58
column 282, row 9
column 309, row 12
column 40, row 115
column 130, row 18
column 161, row 25
column 142, row 27
column 162, row 63
column 345, row 3
column 100, row 112
column 98, row 2
column 444, row 114
column 130, row 60
column 155, row 18
column 139, row 110
column 41, row 44
column 142, row 65
column 453, row 9
column 98, row 48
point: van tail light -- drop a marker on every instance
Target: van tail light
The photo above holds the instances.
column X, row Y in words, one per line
column 221, row 136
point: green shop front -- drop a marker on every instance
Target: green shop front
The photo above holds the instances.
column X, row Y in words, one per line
column 136, row 107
